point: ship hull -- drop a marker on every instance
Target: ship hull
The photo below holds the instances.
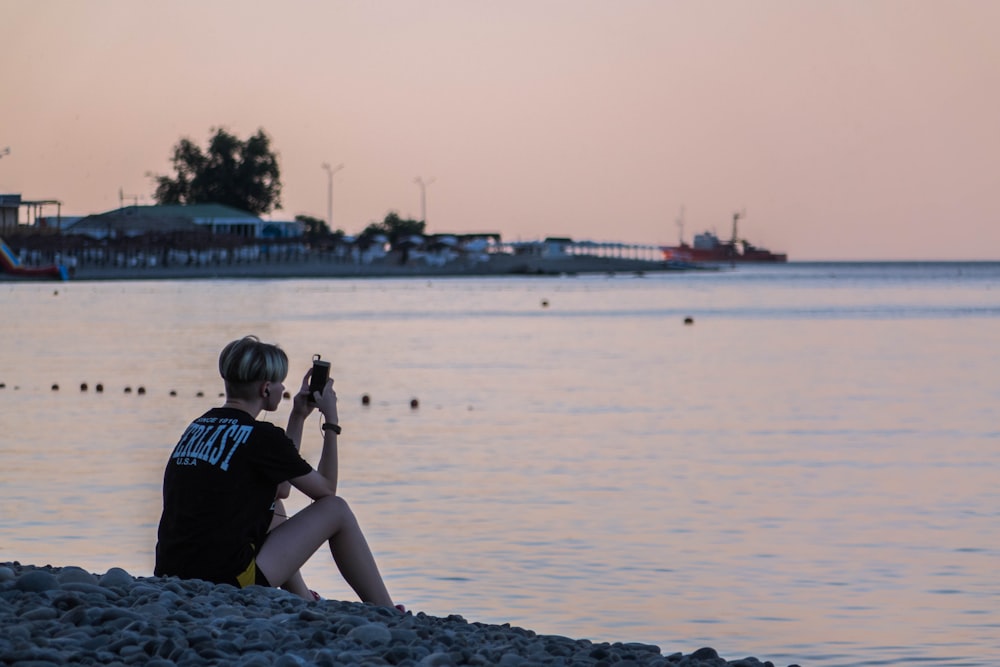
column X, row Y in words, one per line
column 721, row 255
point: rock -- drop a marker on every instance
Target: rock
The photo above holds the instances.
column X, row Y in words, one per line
column 75, row 616
column 403, row 636
column 437, row 660
column 371, row 634
column 51, row 616
column 152, row 610
column 40, row 614
column 706, row 653
column 36, row 581
column 75, row 575
column 93, row 590
column 311, row 615
column 117, row 577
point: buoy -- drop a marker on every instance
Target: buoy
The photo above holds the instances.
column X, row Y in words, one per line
column 141, row 391
column 99, row 388
column 365, row 399
column 3, row 385
column 83, row 386
column 545, row 303
column 55, row 387
column 173, row 392
column 688, row 320
column 128, row 390
column 414, row 404
column 200, row 394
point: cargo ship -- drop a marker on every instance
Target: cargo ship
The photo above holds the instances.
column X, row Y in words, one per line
column 709, row 248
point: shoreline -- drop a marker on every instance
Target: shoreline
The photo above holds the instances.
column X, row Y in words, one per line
column 56, row 615
column 315, row 267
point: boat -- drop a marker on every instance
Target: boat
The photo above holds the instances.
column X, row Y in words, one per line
column 11, row 266
column 709, row 248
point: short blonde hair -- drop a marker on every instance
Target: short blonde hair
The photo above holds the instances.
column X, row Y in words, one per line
column 247, row 361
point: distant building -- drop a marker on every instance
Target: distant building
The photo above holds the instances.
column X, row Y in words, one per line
column 551, row 247
column 9, row 207
column 131, row 221
column 10, row 211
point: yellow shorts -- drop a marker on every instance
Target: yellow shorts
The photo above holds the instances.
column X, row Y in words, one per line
column 252, row 576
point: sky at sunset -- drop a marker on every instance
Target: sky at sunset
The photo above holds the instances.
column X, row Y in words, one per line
column 850, row 129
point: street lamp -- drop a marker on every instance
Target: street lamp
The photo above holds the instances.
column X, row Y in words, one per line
column 330, row 171
column 423, row 197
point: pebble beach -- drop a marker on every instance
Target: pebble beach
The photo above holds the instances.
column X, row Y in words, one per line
column 67, row 615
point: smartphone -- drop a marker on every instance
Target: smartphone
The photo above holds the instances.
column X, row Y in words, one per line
column 320, row 374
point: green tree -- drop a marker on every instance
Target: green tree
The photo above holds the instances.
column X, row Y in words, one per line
column 394, row 228
column 315, row 227
column 241, row 174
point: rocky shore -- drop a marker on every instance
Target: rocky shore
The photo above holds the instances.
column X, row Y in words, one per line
column 65, row 615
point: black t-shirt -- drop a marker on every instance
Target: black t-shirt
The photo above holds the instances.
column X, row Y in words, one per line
column 218, row 491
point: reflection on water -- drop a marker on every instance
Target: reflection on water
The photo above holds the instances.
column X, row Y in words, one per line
column 806, row 474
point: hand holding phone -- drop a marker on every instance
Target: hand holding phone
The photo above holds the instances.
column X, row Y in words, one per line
column 320, row 374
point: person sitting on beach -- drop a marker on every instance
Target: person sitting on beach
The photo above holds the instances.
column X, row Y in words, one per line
column 228, row 473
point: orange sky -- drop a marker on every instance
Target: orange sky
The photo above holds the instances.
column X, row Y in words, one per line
column 849, row 129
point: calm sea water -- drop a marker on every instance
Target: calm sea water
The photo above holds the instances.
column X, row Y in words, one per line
column 808, row 473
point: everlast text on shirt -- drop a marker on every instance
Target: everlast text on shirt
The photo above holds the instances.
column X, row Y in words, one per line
column 212, row 440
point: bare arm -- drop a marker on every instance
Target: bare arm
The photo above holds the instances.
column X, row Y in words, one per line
column 328, row 466
column 322, row 482
column 314, row 485
column 301, row 407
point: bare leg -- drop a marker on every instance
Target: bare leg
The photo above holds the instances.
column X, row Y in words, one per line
column 331, row 520
column 295, row 583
